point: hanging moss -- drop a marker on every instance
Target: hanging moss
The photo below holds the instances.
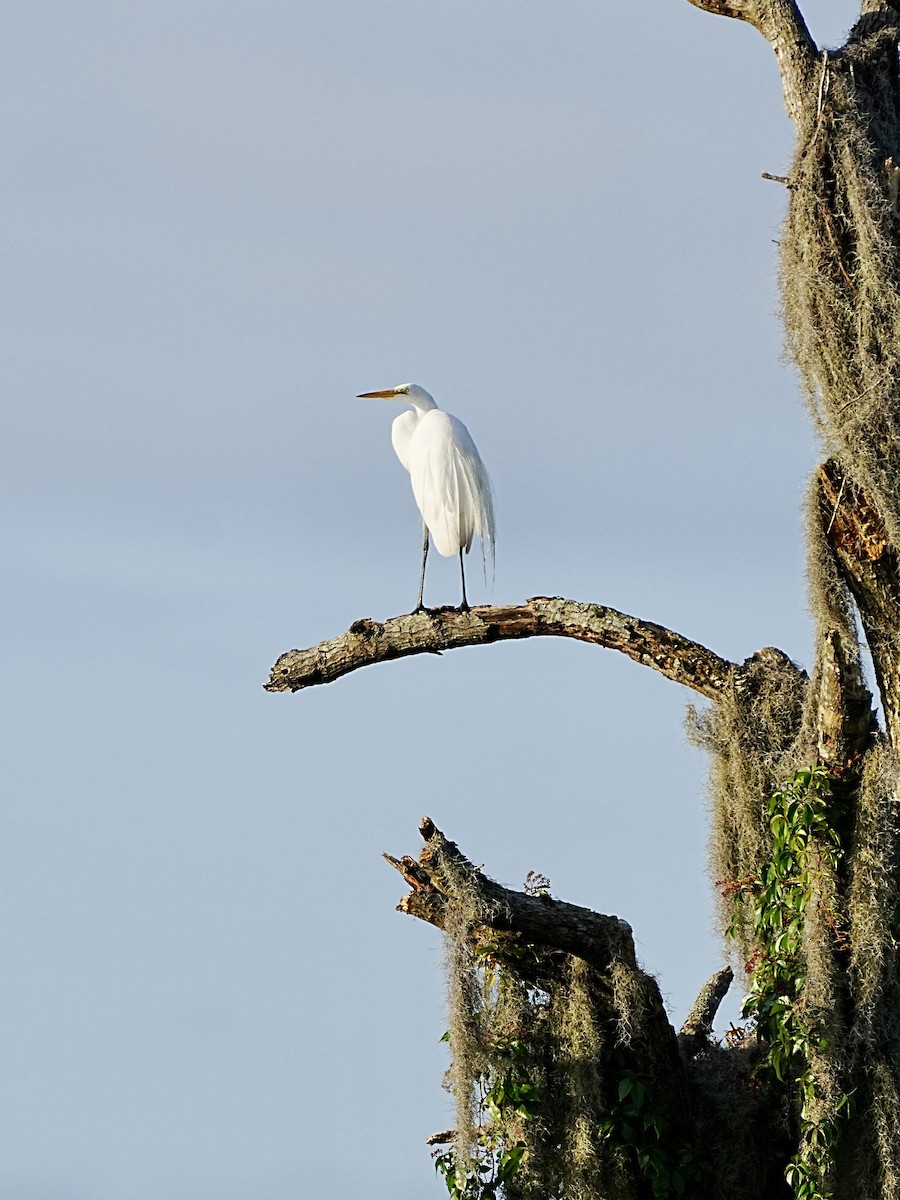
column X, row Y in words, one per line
column 840, row 273
column 751, row 736
column 465, row 1009
column 830, row 602
column 874, row 909
column 555, row 1061
column 874, row 891
column 840, row 276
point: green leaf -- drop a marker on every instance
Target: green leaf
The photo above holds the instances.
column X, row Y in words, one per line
column 510, row 1162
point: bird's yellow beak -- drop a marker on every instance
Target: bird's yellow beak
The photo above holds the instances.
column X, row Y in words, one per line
column 387, row 395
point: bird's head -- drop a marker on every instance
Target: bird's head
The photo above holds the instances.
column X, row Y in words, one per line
column 409, row 393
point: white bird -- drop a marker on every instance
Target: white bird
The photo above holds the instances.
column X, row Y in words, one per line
column 449, row 480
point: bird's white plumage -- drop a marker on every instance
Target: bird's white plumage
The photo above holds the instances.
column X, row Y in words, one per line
column 450, row 484
column 449, row 480
column 402, row 429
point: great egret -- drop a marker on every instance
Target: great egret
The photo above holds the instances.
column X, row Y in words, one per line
column 449, row 481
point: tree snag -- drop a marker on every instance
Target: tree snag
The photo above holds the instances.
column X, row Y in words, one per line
column 568, row 1078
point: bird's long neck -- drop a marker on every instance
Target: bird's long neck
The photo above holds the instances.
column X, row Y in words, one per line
column 420, row 400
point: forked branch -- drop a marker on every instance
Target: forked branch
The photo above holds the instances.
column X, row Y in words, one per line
column 553, row 924
column 782, row 25
column 544, row 935
column 368, row 642
column 776, row 20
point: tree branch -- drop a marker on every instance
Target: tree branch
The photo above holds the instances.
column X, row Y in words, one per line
column 782, row 25
column 870, row 565
column 446, row 887
column 740, row 10
column 844, row 718
column 368, row 642
column 541, row 920
column 875, row 6
column 777, row 20
column 697, row 1028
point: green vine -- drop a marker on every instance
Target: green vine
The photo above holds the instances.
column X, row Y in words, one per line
column 504, row 1095
column 805, row 847
column 634, row 1122
column 507, row 1100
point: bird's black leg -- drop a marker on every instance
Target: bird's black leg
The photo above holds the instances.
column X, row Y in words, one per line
column 420, row 607
column 464, row 607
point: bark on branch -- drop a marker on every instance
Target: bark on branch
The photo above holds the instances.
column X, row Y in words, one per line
column 845, row 721
column 696, row 1030
column 368, row 642
column 445, row 887
column 782, row 25
column 541, row 920
column 869, row 563
column 870, row 7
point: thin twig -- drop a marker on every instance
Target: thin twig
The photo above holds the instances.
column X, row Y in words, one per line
column 837, row 505
column 822, row 81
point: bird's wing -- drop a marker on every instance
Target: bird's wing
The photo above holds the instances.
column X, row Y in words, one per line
column 402, row 429
column 451, row 485
column 478, row 486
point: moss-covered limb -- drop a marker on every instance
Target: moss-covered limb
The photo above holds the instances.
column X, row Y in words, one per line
column 443, row 877
column 877, row 28
column 742, row 1132
column 697, row 1028
column 754, row 738
column 564, row 1067
column 436, row 879
column 840, row 707
column 840, row 259
column 874, row 898
column 845, row 722
column 874, row 6
column 368, row 642
column 869, row 563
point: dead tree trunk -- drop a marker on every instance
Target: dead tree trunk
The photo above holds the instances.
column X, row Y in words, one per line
column 568, row 1078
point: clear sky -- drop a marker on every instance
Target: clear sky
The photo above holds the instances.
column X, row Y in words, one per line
column 221, row 222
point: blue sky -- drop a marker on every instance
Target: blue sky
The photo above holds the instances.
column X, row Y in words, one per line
column 222, row 222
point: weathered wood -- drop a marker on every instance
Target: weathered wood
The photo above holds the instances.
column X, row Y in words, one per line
column 368, row 642
column 782, row 25
column 870, row 565
column 696, row 1030
column 541, row 920
column 446, row 886
column 844, row 717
